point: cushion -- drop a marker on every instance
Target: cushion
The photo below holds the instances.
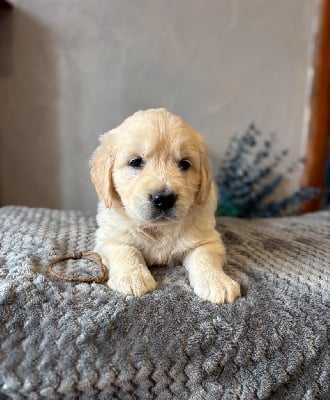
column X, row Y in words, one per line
column 62, row 340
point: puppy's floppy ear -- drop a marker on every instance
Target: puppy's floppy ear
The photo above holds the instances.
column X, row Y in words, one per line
column 101, row 165
column 205, row 177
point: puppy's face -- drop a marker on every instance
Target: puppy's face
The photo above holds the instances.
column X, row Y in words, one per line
column 154, row 165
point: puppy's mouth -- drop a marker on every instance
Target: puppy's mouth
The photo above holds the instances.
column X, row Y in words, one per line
column 163, row 217
column 149, row 215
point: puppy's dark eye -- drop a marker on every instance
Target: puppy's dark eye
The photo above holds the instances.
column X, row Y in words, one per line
column 136, row 162
column 184, row 164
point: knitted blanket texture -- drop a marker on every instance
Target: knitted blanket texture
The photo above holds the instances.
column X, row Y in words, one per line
column 60, row 340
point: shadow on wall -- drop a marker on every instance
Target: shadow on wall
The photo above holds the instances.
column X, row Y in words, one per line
column 29, row 151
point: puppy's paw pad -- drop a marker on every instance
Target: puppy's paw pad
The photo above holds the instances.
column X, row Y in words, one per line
column 218, row 289
column 134, row 283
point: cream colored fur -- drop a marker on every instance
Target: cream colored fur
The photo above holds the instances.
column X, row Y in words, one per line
column 130, row 238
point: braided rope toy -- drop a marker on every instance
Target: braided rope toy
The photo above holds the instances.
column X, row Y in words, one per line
column 89, row 255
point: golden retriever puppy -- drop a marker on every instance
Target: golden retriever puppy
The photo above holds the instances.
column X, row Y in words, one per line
column 157, row 204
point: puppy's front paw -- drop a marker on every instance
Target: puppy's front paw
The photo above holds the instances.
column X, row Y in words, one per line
column 134, row 282
column 217, row 288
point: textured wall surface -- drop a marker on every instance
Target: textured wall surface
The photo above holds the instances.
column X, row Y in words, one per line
column 71, row 70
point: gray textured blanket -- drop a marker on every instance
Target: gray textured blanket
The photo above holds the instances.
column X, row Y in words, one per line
column 79, row 341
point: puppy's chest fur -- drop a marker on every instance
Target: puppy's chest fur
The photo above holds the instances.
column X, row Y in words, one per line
column 161, row 246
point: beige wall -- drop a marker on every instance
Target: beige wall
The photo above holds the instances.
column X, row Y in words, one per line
column 72, row 69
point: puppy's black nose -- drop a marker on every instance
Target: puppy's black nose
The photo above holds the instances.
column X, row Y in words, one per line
column 163, row 200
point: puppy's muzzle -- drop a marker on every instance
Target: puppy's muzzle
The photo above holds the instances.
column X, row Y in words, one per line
column 163, row 200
